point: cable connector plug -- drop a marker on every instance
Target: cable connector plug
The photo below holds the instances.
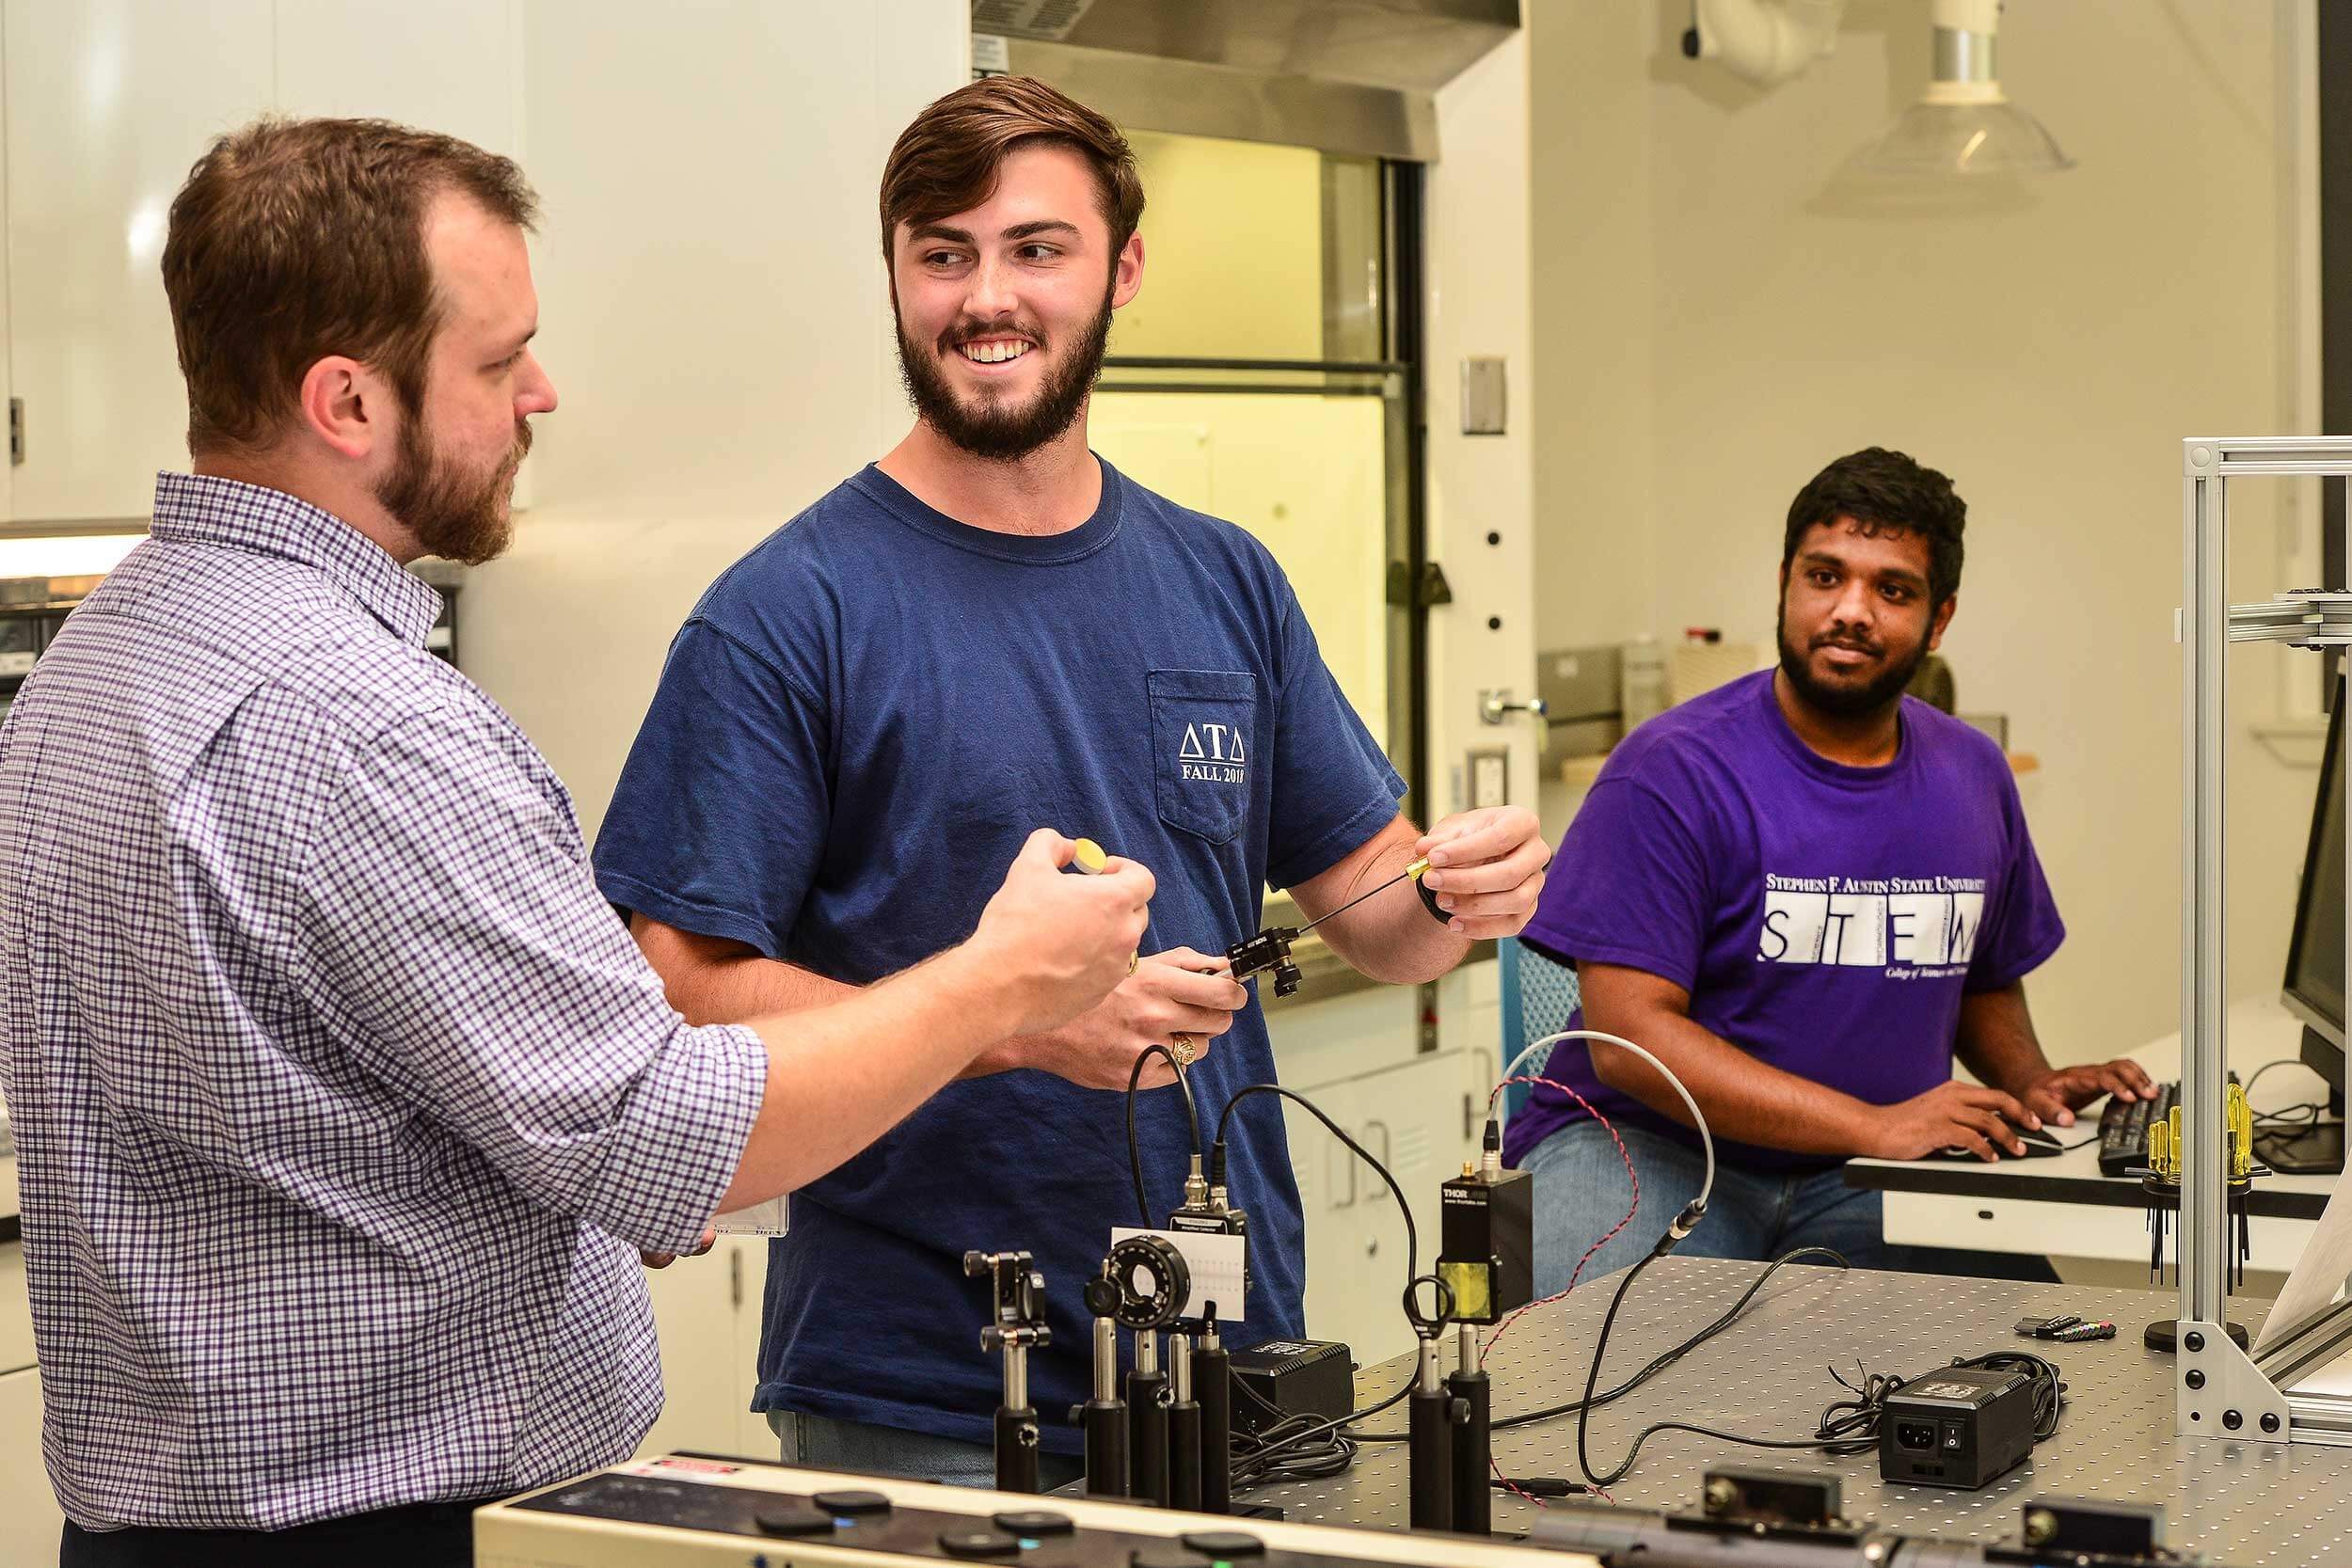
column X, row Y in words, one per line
column 1195, row 1186
column 1490, row 1150
column 1541, row 1486
column 1684, row 1223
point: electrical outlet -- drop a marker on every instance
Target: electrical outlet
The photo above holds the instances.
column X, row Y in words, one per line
column 1490, row 778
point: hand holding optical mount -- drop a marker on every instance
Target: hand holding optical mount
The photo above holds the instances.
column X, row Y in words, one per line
column 1270, row 949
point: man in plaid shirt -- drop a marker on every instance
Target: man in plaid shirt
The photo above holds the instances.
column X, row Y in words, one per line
column 344, row 1104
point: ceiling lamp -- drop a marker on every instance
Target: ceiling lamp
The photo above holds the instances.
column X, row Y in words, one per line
column 1963, row 123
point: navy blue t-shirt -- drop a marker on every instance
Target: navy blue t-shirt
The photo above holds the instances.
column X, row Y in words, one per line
column 854, row 733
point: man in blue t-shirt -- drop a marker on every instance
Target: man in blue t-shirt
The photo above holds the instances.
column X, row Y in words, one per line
column 1805, row 892
column 990, row 631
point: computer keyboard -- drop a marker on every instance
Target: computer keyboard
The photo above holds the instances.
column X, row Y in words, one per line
column 2123, row 1129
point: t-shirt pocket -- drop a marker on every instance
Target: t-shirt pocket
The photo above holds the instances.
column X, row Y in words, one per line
column 1204, row 724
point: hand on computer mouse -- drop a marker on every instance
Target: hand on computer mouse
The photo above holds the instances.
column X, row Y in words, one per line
column 1966, row 1117
column 2032, row 1144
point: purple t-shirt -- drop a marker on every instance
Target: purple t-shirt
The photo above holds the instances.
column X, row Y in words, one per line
column 1826, row 919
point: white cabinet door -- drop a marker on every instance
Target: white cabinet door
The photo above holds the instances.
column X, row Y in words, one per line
column 698, row 1307
column 109, row 101
column 8, row 469
column 1408, row 1117
column 16, row 1310
column 752, row 1434
column 1411, row 1120
column 30, row 1522
column 108, row 105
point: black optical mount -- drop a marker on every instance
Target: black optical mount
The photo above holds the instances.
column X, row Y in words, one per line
column 1212, row 1386
column 1152, row 1280
column 1020, row 1327
column 1437, row 1418
column 1270, row 949
column 1473, row 1439
column 1104, row 1415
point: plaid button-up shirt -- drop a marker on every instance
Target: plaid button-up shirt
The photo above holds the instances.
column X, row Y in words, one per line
column 342, row 1100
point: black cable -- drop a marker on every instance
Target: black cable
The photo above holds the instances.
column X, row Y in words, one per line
column 1339, row 1453
column 1412, row 1242
column 2283, row 1061
column 2049, row 1389
column 1857, row 1419
column 1260, row 1466
column 1592, row 1377
column 1134, row 1146
column 1663, row 1361
column 1846, row 1427
column 1308, row 1454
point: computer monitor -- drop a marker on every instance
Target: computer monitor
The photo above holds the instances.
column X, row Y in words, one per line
column 2314, row 982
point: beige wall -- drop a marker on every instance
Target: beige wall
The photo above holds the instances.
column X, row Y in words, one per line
column 1718, row 312
column 714, row 312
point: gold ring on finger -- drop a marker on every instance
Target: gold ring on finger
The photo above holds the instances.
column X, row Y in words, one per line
column 1187, row 1048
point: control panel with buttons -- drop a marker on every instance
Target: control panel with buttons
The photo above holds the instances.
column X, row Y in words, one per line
column 686, row 1511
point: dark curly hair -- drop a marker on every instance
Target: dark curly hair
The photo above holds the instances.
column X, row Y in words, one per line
column 1886, row 491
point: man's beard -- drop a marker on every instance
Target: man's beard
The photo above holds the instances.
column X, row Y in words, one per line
column 1846, row 702
column 993, row 430
column 461, row 516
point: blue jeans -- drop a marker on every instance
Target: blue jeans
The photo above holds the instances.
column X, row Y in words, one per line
column 828, row 1443
column 1581, row 1193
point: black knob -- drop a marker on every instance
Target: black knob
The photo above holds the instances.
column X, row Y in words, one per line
column 852, row 1503
column 2196, row 1379
column 792, row 1519
column 2232, row 1419
column 977, row 1543
column 1224, row 1543
column 2195, row 1342
column 2270, row 1421
column 1034, row 1523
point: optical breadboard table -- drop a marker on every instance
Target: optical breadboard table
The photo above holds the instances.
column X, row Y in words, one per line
column 2244, row 1505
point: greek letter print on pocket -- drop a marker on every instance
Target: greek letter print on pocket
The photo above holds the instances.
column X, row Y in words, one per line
column 1203, row 730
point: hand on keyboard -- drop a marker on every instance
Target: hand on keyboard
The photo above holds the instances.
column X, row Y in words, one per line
column 2124, row 1128
column 2057, row 1094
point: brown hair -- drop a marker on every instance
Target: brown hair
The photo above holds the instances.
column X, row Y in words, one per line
column 296, row 239
column 946, row 162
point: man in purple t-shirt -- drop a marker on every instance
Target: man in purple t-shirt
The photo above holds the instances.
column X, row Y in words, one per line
column 1806, row 893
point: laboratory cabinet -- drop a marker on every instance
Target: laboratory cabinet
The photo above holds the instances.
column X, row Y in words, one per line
column 103, row 106
column 1417, row 1121
column 707, row 1310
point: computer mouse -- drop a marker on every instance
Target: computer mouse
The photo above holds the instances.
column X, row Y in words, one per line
column 2038, row 1144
